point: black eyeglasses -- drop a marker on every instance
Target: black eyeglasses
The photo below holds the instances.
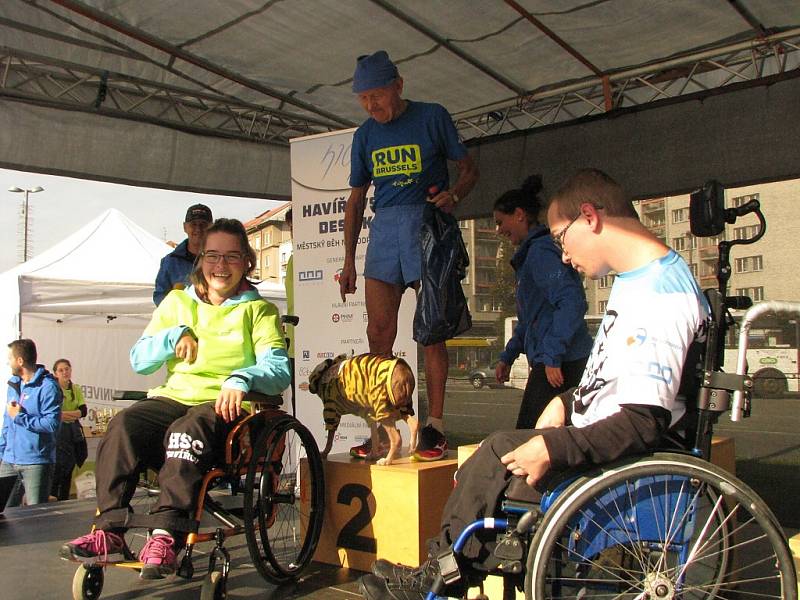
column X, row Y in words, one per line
column 558, row 238
column 232, row 258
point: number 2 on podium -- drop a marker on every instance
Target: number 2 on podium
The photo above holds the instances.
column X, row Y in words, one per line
column 349, row 537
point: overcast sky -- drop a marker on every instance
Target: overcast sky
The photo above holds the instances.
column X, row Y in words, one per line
column 66, row 204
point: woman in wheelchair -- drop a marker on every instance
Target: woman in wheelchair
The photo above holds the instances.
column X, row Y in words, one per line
column 626, row 400
column 219, row 340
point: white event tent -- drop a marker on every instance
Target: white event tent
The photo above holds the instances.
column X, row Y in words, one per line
column 87, row 299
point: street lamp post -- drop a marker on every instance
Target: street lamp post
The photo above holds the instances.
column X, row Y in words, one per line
column 33, row 190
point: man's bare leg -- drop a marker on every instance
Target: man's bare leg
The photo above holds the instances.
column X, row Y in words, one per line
column 436, row 365
column 432, row 444
column 383, row 304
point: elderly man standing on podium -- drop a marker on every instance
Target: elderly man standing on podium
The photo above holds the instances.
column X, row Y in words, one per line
column 403, row 149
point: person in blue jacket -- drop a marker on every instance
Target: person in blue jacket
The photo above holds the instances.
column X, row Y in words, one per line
column 177, row 265
column 30, row 425
column 550, row 330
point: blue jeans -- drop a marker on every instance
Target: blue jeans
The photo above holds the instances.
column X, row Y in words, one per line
column 36, row 480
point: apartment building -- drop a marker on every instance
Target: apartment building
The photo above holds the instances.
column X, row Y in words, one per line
column 478, row 346
column 270, row 237
column 760, row 270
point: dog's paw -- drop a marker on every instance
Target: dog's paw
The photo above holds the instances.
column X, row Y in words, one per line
column 384, row 462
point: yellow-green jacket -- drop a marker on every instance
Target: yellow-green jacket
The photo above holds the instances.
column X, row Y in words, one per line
column 240, row 345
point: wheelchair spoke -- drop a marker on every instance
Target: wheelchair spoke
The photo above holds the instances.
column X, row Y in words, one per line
column 285, row 529
column 671, row 528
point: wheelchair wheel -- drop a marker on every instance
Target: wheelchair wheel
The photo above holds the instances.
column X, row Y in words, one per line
column 87, row 584
column 283, row 511
column 660, row 527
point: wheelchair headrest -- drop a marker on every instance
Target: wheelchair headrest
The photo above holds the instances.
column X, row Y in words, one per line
column 707, row 210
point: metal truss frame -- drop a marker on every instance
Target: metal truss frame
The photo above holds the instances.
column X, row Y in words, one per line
column 48, row 81
column 699, row 72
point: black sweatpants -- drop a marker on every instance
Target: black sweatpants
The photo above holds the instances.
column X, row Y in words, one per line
column 539, row 392
column 481, row 484
column 65, row 463
column 193, row 436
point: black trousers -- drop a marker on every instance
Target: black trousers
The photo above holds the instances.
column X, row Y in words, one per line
column 539, row 392
column 482, row 483
column 193, row 436
column 65, row 463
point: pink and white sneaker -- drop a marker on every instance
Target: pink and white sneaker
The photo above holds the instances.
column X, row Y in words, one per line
column 158, row 557
column 97, row 544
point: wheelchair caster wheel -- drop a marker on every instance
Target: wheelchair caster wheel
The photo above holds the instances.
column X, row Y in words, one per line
column 214, row 587
column 87, row 584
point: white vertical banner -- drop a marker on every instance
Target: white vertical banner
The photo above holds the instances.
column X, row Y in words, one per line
column 329, row 327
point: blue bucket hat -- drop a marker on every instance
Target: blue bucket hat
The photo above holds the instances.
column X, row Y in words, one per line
column 373, row 71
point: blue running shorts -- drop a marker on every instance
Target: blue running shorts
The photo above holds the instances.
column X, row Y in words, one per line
column 394, row 254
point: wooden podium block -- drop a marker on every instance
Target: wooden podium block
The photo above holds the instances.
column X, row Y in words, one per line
column 723, row 453
column 794, row 546
column 381, row 512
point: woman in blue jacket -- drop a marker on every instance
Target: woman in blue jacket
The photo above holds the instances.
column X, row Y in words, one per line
column 551, row 330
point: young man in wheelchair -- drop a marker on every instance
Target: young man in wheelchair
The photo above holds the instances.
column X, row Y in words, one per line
column 219, row 340
column 628, row 396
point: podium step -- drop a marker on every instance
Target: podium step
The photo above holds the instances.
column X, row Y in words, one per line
column 385, row 512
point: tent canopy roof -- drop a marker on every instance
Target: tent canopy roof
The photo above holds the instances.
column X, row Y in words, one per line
column 106, row 267
column 249, row 70
column 109, row 249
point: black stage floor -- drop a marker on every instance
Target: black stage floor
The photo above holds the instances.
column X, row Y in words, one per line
column 30, row 567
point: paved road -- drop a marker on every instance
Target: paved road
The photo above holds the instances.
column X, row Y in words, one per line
column 767, row 443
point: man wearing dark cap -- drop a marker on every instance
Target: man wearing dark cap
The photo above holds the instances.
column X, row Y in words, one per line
column 403, row 149
column 177, row 265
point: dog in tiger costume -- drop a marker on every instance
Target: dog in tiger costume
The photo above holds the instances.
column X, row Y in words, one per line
column 375, row 387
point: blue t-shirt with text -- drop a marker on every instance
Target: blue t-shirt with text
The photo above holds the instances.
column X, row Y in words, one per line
column 406, row 156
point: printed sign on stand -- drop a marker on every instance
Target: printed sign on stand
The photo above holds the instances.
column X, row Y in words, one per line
column 329, row 327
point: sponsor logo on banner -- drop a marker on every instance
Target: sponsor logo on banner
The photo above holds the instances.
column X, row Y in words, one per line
column 304, row 386
column 324, row 355
column 348, row 304
column 308, row 276
column 306, row 355
column 365, row 316
column 303, row 371
column 342, row 317
column 338, row 275
column 399, row 353
column 351, row 341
